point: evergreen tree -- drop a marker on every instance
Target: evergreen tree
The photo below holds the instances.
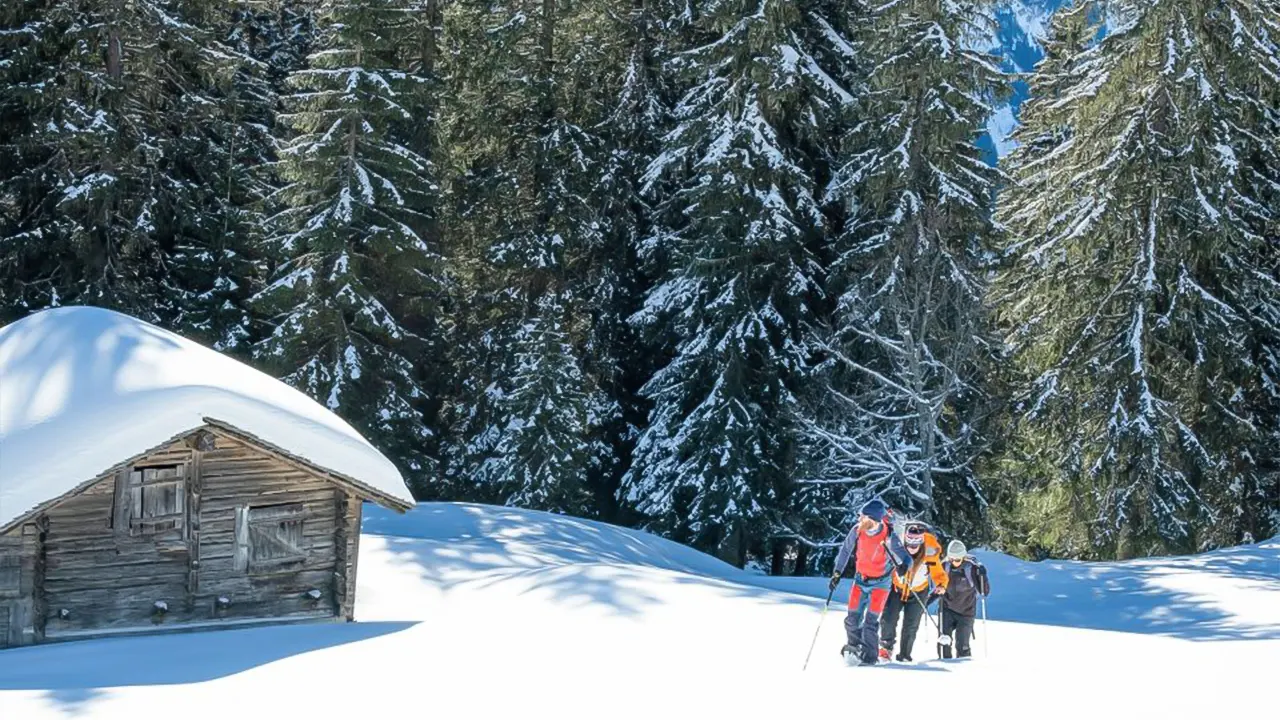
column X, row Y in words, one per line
column 353, row 267
column 1141, row 288
column 541, row 457
column 631, row 132
column 219, row 264
column 25, row 36
column 524, row 116
column 106, row 190
column 737, row 269
column 899, row 408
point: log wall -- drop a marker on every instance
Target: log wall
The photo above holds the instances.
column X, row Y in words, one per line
column 92, row 576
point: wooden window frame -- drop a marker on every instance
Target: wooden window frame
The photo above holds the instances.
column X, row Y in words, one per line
column 132, row 490
column 263, row 521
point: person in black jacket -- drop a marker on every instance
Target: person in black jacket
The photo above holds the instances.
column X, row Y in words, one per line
column 967, row 578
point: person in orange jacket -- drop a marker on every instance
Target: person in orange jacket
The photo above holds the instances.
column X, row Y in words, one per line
column 911, row 590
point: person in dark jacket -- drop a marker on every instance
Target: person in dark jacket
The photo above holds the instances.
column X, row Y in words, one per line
column 966, row 579
column 874, row 550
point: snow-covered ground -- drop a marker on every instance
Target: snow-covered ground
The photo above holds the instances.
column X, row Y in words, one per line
column 471, row 611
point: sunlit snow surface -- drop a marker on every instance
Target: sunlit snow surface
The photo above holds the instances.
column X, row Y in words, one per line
column 477, row 611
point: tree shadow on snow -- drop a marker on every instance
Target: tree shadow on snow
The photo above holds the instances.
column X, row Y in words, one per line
column 1229, row 594
column 74, row 672
column 578, row 562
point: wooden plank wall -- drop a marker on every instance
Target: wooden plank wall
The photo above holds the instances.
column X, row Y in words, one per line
column 235, row 474
column 103, row 580
column 21, row 610
column 97, row 578
column 11, row 599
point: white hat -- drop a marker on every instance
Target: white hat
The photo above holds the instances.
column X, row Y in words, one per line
column 956, row 550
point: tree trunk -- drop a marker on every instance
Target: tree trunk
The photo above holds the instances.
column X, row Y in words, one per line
column 115, row 54
column 802, row 561
column 779, row 561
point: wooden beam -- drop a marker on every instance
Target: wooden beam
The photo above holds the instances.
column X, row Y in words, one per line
column 201, row 441
column 191, row 527
column 340, row 566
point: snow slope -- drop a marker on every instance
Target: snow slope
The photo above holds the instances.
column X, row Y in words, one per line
column 476, row 611
column 75, row 373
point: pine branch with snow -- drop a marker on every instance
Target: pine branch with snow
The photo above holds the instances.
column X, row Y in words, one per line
column 350, row 300
column 900, row 402
column 1140, row 293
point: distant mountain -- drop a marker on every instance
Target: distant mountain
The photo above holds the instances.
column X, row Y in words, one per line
column 1021, row 25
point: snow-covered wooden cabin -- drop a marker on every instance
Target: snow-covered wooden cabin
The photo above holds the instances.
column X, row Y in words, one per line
column 150, row 483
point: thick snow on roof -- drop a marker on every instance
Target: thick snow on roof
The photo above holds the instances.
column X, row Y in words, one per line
column 83, row 389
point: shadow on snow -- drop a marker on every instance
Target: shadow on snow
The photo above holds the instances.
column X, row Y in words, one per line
column 578, row 562
column 74, row 672
column 1229, row 594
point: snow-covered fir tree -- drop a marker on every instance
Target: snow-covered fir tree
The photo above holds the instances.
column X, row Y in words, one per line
column 108, row 190
column 355, row 279
column 219, row 265
column 616, row 356
column 24, row 75
column 540, row 456
column 1141, row 294
column 523, row 119
column 767, row 91
column 897, row 411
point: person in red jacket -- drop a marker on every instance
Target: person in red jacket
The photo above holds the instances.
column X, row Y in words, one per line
column 874, row 551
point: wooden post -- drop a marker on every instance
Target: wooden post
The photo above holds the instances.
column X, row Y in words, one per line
column 355, row 511
column 195, row 488
column 347, row 550
column 32, row 612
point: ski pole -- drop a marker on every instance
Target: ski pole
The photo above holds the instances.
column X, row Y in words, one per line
column 927, row 614
column 985, row 650
column 825, row 605
column 941, row 636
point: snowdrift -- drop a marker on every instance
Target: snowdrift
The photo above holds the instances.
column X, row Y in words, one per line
column 477, row 611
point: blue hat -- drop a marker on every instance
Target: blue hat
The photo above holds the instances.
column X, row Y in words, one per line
column 874, row 509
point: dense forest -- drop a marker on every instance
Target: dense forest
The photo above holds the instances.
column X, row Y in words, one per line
column 721, row 269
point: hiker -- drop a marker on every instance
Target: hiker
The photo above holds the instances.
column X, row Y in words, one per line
column 966, row 579
column 874, row 550
column 911, row 591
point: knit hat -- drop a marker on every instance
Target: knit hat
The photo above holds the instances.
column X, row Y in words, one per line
column 956, row 550
column 874, row 509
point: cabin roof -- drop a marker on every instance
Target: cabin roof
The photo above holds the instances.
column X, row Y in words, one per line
column 84, row 389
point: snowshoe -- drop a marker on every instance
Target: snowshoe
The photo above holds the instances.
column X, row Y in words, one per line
column 852, row 655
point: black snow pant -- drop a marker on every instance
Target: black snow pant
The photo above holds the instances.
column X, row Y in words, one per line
column 960, row 628
column 911, row 610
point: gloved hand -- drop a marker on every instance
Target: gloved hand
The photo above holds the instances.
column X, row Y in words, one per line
column 835, row 580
